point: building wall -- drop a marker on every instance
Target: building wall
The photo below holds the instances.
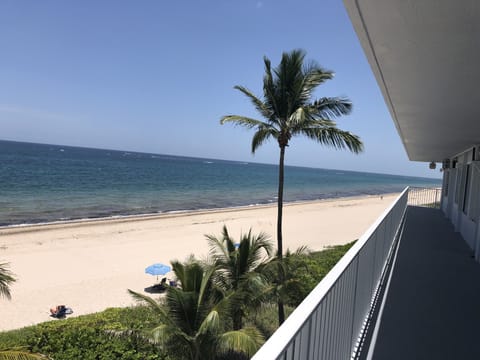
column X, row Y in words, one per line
column 461, row 195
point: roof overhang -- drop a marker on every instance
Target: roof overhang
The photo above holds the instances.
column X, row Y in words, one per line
column 425, row 56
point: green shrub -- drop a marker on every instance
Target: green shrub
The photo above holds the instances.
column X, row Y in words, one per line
column 265, row 318
column 308, row 270
column 86, row 337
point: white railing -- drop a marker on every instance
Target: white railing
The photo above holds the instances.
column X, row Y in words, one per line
column 329, row 322
column 425, row 197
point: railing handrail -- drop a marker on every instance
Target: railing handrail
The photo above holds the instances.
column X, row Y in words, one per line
column 282, row 337
column 424, row 187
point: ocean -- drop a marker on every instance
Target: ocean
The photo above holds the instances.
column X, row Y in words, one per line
column 45, row 183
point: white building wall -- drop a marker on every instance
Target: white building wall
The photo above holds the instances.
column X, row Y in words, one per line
column 461, row 196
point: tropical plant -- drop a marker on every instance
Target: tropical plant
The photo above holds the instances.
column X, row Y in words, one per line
column 289, row 111
column 236, row 269
column 288, row 266
column 192, row 318
column 6, row 279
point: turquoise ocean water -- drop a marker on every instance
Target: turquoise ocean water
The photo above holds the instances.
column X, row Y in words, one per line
column 44, row 183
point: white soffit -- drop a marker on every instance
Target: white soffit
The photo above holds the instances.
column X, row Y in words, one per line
column 425, row 55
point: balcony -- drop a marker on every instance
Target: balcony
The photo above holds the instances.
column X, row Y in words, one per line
column 408, row 289
column 432, row 306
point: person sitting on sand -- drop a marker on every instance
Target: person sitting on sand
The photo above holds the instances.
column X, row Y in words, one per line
column 57, row 310
column 60, row 311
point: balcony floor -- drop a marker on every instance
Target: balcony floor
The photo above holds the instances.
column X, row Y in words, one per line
column 432, row 309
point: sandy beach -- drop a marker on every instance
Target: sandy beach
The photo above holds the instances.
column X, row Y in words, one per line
column 90, row 265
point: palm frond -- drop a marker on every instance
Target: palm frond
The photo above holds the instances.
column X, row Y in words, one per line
column 313, row 76
column 6, row 280
column 262, row 135
column 264, row 241
column 179, row 270
column 223, row 306
column 205, row 284
column 261, row 107
column 298, row 118
column 224, row 259
column 259, row 249
column 152, row 303
column 307, row 116
column 242, row 121
column 302, row 250
column 210, row 324
column 334, row 137
column 331, row 107
column 183, row 310
column 247, row 341
column 269, row 89
column 189, row 273
column 163, row 333
column 20, row 355
column 217, row 249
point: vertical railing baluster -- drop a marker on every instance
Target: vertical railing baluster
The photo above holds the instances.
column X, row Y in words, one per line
column 327, row 333
column 352, row 334
column 323, row 334
column 317, row 332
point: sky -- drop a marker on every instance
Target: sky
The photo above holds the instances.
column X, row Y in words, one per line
column 156, row 76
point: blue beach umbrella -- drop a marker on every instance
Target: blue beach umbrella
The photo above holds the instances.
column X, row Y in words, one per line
column 157, row 269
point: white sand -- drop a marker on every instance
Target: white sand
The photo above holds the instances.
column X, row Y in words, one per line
column 89, row 265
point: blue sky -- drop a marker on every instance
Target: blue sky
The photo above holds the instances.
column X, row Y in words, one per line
column 156, row 76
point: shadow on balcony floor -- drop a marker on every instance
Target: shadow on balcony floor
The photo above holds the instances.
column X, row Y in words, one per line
column 433, row 305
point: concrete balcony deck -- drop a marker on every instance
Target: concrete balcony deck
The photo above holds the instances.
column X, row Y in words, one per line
column 432, row 308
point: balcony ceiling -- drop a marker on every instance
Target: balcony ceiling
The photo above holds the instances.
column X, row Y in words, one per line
column 426, row 58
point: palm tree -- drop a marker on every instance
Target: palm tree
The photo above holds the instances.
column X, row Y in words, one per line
column 289, row 110
column 191, row 320
column 236, row 269
column 288, row 265
column 6, row 279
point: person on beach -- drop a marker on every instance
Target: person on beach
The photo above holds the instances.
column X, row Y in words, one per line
column 60, row 311
column 57, row 310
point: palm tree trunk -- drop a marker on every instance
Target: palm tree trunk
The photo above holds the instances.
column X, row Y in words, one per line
column 280, row 202
column 281, row 311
